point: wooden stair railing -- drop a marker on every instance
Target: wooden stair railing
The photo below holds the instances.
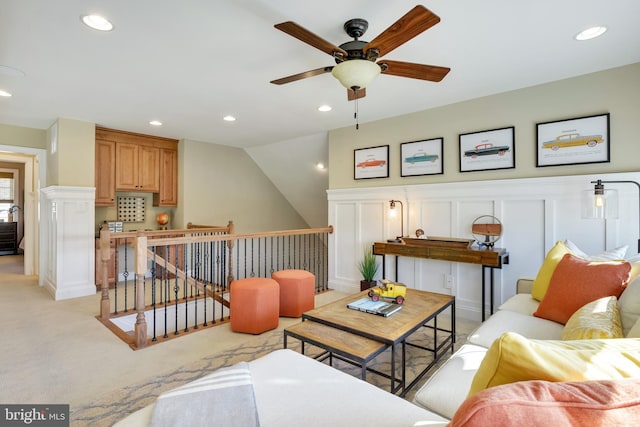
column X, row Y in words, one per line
column 147, row 247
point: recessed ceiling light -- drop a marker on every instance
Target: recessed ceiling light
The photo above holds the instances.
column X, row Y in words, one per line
column 155, row 123
column 4, row 93
column 324, row 108
column 97, row 22
column 229, row 119
column 591, row 33
column 320, row 166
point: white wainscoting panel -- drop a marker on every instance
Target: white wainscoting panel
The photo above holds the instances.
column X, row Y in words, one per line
column 535, row 213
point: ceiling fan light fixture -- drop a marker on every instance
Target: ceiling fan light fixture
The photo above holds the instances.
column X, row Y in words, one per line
column 356, row 73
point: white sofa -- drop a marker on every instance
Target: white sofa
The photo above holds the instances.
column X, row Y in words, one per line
column 515, row 315
column 294, row 390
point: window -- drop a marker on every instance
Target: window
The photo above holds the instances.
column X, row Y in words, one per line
column 6, row 194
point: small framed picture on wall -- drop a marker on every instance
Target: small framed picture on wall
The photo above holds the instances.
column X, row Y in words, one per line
column 488, row 150
column 421, row 157
column 372, row 162
column 573, row 141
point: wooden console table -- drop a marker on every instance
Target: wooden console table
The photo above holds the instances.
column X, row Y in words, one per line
column 489, row 259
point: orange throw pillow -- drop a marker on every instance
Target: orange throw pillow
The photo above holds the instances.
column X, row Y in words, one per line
column 576, row 282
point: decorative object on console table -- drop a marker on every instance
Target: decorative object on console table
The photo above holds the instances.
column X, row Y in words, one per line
column 368, row 268
column 573, row 141
column 487, row 150
column 371, row 162
column 489, row 228
column 392, row 213
column 603, row 204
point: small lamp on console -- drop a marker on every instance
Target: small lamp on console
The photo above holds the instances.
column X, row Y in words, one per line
column 601, row 203
column 392, row 206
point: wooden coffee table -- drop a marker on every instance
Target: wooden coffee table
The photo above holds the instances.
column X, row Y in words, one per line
column 419, row 309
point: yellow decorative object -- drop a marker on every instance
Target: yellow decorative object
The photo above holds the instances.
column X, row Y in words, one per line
column 599, row 319
column 541, row 282
column 513, row 357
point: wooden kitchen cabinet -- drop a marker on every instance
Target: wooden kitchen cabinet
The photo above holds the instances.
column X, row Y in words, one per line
column 137, row 168
column 127, row 161
column 168, row 194
column 105, row 173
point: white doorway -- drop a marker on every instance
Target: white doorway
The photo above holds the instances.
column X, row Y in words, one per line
column 34, row 161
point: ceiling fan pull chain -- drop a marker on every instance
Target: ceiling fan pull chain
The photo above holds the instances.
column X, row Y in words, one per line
column 355, row 106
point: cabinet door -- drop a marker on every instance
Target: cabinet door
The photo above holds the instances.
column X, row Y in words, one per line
column 127, row 167
column 105, row 173
column 168, row 195
column 149, row 169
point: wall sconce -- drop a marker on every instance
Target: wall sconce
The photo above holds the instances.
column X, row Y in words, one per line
column 603, row 204
column 392, row 206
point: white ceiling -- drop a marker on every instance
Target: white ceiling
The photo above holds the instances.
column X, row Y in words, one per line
column 188, row 63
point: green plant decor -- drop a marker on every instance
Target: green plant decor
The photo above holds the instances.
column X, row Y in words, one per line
column 368, row 266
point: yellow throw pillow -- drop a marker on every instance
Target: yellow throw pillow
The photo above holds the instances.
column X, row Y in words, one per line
column 599, row 319
column 513, row 358
column 541, row 282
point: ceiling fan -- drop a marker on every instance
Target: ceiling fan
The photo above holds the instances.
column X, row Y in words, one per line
column 356, row 60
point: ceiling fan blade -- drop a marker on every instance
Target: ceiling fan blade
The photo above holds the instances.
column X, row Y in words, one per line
column 432, row 73
column 301, row 76
column 356, row 94
column 309, row 38
column 416, row 21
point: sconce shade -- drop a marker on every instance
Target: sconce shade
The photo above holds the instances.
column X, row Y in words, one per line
column 603, row 205
column 356, row 73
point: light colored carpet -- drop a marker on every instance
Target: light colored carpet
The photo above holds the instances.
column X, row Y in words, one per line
column 57, row 352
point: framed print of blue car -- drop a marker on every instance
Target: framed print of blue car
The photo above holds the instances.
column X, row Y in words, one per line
column 573, row 141
column 421, row 157
column 488, row 150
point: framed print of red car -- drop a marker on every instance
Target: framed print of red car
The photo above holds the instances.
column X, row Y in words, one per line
column 372, row 162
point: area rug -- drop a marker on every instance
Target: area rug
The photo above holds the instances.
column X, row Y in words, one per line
column 112, row 407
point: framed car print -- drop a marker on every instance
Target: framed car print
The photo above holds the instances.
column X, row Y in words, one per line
column 421, row 157
column 371, row 162
column 488, row 150
column 573, row 141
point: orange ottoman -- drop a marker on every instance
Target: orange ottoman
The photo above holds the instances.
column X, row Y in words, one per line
column 297, row 291
column 254, row 305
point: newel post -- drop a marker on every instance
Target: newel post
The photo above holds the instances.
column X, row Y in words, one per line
column 105, row 255
column 140, row 256
column 231, row 229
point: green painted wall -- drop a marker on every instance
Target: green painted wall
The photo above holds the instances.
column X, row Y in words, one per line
column 615, row 91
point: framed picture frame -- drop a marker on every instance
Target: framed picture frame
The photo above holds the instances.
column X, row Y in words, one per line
column 372, row 162
column 488, row 150
column 421, row 157
column 573, row 141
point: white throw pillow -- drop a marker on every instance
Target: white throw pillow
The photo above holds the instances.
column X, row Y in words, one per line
column 634, row 332
column 629, row 305
column 613, row 255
